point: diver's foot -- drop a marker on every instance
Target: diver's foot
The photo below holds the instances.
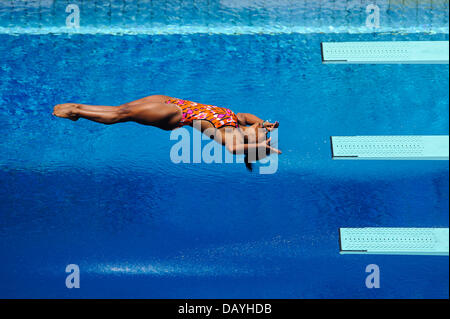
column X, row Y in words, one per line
column 67, row 110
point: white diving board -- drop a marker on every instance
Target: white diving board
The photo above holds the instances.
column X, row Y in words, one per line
column 431, row 147
column 394, row 241
column 409, row 52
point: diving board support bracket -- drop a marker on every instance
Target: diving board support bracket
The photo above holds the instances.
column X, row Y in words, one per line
column 407, row 52
column 394, row 241
column 396, row 147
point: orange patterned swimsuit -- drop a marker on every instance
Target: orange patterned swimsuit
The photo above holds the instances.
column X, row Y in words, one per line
column 217, row 116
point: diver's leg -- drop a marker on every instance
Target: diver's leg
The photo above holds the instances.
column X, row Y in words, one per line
column 145, row 100
column 87, row 107
column 150, row 99
column 67, row 110
column 97, row 113
column 165, row 116
column 162, row 115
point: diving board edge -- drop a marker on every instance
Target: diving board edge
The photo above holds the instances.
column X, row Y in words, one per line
column 394, row 241
column 385, row 52
column 410, row 147
column 382, row 62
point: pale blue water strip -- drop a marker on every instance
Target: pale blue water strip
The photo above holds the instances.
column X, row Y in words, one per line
column 225, row 30
column 223, row 16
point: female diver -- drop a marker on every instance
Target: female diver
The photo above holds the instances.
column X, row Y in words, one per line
column 240, row 133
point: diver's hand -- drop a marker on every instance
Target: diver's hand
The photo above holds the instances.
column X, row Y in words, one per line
column 271, row 126
column 269, row 148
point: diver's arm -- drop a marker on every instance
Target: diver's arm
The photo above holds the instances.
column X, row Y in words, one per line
column 248, row 119
column 238, row 149
column 249, row 148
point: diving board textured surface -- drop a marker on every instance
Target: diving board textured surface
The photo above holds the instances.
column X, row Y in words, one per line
column 434, row 52
column 431, row 147
column 394, row 241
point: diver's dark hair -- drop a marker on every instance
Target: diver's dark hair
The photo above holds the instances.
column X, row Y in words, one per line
column 248, row 164
column 245, row 139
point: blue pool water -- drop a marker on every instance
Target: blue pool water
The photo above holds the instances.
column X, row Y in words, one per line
column 109, row 199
